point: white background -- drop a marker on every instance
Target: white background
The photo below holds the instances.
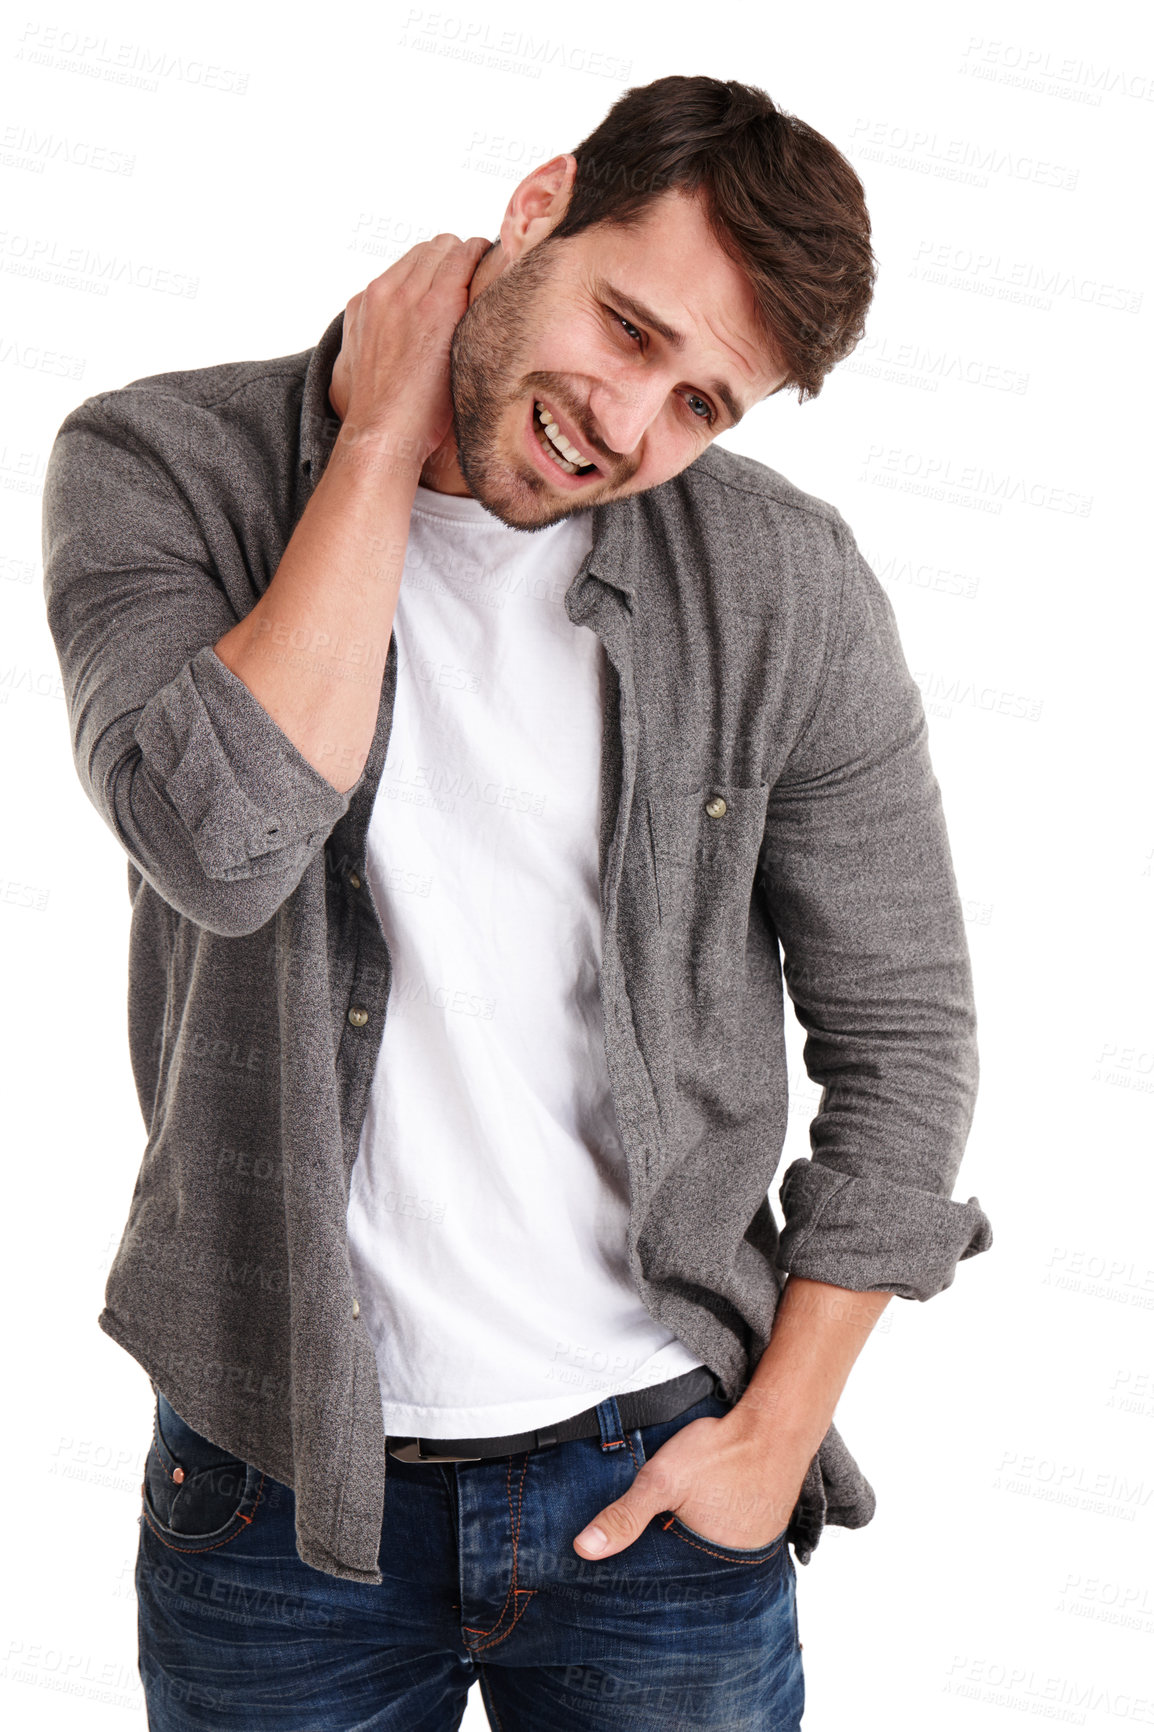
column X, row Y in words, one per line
column 987, row 444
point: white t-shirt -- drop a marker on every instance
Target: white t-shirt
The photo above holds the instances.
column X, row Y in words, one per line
column 489, row 1201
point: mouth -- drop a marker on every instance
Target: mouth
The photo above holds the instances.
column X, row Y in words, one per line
column 566, row 464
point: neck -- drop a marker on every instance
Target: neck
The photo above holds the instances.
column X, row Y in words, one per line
column 442, row 471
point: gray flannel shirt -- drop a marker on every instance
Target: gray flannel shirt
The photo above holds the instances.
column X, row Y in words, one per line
column 753, row 660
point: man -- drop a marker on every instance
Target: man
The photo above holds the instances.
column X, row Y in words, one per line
column 449, row 670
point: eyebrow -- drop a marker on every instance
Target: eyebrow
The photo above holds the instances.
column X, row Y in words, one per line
column 642, row 315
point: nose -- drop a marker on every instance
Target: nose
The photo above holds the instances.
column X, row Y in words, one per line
column 621, row 410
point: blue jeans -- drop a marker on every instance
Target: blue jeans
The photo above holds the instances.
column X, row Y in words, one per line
column 481, row 1583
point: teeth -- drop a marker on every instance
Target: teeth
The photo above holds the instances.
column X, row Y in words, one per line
column 569, row 468
column 554, row 433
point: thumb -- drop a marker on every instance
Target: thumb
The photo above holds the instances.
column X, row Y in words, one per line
column 618, row 1524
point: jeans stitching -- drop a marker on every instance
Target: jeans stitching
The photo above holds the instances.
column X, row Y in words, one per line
column 165, row 1541
column 487, row 1696
column 164, row 1454
column 726, row 1557
column 496, row 1634
column 492, row 1636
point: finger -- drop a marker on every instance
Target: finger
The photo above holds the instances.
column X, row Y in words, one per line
column 455, row 241
column 426, row 255
column 460, row 260
column 617, row 1525
column 428, row 258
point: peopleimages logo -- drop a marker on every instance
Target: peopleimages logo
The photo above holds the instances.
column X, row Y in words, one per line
column 475, row 40
column 1046, row 1695
column 942, row 691
column 26, row 147
column 133, row 64
column 925, row 366
column 79, row 267
column 1023, row 282
column 891, row 568
column 31, row 358
column 970, row 484
column 958, row 159
column 1041, row 70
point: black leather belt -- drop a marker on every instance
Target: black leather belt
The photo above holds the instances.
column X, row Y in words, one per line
column 636, row 1408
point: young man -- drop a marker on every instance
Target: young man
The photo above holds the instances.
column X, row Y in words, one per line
column 477, row 732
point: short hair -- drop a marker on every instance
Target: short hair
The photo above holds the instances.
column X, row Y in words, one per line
column 784, row 203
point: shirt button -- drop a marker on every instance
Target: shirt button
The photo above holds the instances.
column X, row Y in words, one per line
column 356, row 1307
column 716, row 807
column 354, row 881
column 358, row 1017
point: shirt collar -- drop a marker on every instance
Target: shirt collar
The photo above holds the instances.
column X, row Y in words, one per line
column 613, row 524
column 319, row 421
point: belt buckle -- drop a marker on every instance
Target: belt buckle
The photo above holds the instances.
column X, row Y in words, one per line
column 412, row 1452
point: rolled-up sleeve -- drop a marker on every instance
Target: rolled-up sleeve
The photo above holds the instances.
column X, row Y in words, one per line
column 208, row 796
column 859, row 882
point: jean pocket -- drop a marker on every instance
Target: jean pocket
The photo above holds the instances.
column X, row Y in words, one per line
column 650, row 1440
column 673, row 1523
column 195, row 1494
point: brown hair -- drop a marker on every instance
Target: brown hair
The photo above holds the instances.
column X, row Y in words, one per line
column 784, row 204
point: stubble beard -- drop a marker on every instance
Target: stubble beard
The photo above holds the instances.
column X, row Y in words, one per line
column 485, row 353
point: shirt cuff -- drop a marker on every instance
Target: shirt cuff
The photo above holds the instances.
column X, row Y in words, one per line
column 243, row 790
column 871, row 1235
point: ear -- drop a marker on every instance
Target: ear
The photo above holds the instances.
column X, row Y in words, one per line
column 537, row 205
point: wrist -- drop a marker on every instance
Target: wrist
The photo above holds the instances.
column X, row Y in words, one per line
column 791, row 1427
column 387, row 452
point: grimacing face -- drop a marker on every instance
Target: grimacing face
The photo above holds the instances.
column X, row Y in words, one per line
column 640, row 345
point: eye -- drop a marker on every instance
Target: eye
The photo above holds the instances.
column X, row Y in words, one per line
column 631, row 331
column 691, row 398
column 705, row 410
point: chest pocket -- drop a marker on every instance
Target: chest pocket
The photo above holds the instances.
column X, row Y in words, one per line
column 705, row 850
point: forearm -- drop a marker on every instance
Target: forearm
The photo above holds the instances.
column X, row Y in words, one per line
column 818, row 1332
column 312, row 651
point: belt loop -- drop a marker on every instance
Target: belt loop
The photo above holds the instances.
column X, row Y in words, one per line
column 608, row 1418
